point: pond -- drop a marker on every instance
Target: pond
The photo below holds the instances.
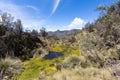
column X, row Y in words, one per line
column 53, row 55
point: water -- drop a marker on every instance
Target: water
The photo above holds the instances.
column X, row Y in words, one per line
column 53, row 55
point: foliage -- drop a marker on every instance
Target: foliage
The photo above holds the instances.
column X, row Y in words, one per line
column 14, row 41
column 98, row 40
column 43, row 32
column 108, row 26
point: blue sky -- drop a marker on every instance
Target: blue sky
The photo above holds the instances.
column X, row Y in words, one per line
column 53, row 14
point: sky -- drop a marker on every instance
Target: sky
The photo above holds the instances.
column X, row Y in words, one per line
column 53, row 14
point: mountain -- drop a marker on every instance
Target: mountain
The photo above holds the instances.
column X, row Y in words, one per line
column 64, row 34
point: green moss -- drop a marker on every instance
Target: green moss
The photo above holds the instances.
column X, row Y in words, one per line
column 32, row 69
column 34, row 66
column 66, row 49
column 50, row 70
column 58, row 48
column 30, row 74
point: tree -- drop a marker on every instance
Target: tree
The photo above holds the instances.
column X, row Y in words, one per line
column 43, row 32
column 6, row 20
column 102, row 8
column 14, row 41
column 34, row 32
column 18, row 28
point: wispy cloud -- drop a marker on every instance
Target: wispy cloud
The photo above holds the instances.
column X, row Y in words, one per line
column 33, row 7
column 13, row 9
column 21, row 12
column 56, row 3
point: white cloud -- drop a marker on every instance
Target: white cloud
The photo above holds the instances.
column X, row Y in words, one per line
column 22, row 12
column 33, row 24
column 77, row 23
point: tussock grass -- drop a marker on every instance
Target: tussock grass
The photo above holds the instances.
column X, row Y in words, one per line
column 84, row 74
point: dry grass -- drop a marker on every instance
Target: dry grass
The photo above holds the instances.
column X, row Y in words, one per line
column 11, row 67
column 84, row 74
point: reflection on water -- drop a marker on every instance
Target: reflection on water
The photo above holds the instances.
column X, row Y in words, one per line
column 52, row 55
